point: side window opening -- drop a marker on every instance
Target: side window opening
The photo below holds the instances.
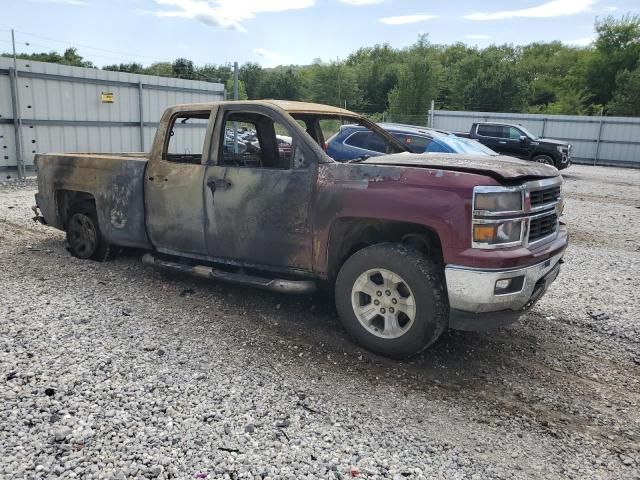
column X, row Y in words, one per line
column 490, row 131
column 514, row 133
column 254, row 140
column 359, row 140
column 415, row 143
column 186, row 135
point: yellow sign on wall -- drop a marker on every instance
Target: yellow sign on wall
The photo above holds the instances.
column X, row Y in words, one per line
column 106, row 97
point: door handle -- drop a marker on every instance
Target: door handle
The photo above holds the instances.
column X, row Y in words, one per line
column 218, row 184
column 503, row 143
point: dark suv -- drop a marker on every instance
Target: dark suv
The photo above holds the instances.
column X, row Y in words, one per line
column 517, row 141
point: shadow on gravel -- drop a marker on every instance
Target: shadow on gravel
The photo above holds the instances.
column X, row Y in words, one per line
column 311, row 322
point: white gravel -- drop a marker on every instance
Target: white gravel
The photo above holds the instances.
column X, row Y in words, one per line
column 116, row 370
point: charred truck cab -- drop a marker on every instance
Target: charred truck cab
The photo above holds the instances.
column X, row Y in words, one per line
column 244, row 192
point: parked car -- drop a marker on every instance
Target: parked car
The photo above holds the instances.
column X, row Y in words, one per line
column 517, row 141
column 354, row 141
column 412, row 243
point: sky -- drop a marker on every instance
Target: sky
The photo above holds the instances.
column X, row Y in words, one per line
column 274, row 32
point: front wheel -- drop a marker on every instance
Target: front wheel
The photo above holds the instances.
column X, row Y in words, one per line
column 392, row 300
column 545, row 159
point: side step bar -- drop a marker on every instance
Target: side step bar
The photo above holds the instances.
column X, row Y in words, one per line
column 210, row 273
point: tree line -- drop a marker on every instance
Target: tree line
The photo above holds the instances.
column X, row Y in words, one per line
column 548, row 77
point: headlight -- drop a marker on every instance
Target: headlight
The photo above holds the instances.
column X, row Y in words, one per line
column 504, row 233
column 498, row 201
column 497, row 217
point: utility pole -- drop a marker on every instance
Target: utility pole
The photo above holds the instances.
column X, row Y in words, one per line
column 338, row 67
column 432, row 113
column 17, row 118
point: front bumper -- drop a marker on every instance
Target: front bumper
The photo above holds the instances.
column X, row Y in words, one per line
column 476, row 304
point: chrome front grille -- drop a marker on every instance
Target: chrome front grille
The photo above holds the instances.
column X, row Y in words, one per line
column 541, row 227
column 543, row 199
column 540, row 198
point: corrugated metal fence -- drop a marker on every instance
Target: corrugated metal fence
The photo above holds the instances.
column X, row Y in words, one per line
column 58, row 108
column 595, row 140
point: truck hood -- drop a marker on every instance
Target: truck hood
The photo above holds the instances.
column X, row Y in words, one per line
column 499, row 167
column 551, row 141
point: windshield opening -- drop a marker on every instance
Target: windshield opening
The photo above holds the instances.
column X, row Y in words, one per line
column 453, row 144
column 322, row 128
column 528, row 133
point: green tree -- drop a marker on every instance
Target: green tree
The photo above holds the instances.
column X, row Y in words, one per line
column 214, row 73
column 334, row 84
column 69, row 57
column 283, row 84
column 617, row 48
column 183, row 68
column 162, row 69
column 409, row 101
column 626, row 97
column 252, row 75
column 496, row 90
column 126, row 67
column 377, row 69
column 242, row 91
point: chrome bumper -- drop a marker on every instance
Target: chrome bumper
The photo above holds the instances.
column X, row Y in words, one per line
column 473, row 291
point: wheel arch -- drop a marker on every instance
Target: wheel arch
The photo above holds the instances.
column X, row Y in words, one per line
column 68, row 200
column 349, row 235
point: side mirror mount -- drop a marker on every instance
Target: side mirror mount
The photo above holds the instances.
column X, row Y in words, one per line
column 524, row 139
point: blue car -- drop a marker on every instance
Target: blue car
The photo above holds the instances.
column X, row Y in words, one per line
column 353, row 142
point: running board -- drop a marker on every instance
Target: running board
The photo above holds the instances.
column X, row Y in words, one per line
column 210, row 273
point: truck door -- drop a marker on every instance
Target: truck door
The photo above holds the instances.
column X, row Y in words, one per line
column 514, row 146
column 259, row 188
column 174, row 184
column 491, row 135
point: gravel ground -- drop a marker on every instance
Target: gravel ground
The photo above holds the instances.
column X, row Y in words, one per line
column 116, row 370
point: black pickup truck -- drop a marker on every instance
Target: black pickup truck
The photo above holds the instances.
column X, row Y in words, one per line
column 517, row 141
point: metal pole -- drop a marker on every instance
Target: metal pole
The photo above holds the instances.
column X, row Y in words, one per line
column 17, row 117
column 235, row 97
column 544, row 124
column 13, row 84
column 595, row 157
column 339, row 89
column 141, row 115
column 432, row 113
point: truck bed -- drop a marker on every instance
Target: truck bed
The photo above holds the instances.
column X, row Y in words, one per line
column 115, row 182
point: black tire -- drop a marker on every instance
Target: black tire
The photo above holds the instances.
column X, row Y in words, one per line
column 84, row 236
column 426, row 282
column 546, row 159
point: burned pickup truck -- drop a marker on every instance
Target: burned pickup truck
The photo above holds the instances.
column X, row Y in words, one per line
column 411, row 243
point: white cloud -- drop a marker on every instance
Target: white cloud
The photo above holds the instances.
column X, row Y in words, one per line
column 361, row 2
column 271, row 59
column 609, row 9
column 477, row 37
column 63, row 2
column 580, row 42
column 227, row 14
column 554, row 8
column 404, row 19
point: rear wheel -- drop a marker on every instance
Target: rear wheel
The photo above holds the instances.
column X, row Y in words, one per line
column 84, row 236
column 545, row 159
column 391, row 300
